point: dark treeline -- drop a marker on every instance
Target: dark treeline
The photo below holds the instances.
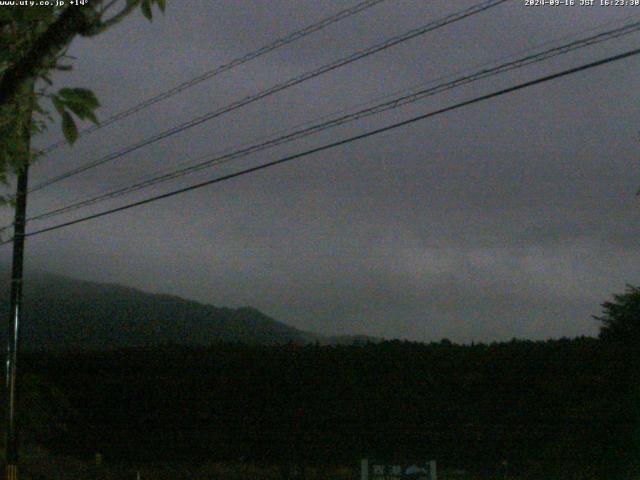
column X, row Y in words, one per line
column 561, row 407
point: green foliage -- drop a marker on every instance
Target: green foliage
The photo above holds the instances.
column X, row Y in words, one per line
column 81, row 102
column 80, row 97
column 146, row 8
column 15, row 125
column 69, row 127
column 21, row 34
column 621, row 317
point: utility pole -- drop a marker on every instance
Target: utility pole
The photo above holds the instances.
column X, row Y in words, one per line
column 15, row 315
column 23, row 140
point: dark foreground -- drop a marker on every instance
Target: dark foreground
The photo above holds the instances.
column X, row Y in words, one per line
column 565, row 409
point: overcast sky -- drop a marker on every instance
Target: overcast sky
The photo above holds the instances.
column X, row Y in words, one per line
column 515, row 217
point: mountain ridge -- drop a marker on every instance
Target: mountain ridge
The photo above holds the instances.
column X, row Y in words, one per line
column 65, row 313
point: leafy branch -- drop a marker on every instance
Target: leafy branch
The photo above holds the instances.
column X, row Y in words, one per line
column 33, row 42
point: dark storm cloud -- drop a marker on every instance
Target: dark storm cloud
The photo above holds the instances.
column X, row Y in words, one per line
column 515, row 217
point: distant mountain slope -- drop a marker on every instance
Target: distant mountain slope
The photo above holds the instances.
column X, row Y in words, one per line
column 64, row 313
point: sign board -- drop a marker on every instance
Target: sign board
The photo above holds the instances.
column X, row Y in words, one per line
column 386, row 470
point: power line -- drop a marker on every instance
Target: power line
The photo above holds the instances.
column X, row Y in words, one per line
column 345, row 141
column 379, row 108
column 279, row 87
column 478, row 8
column 281, row 42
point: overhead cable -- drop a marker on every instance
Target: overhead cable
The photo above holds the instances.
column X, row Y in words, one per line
column 376, row 109
column 281, row 42
column 478, row 8
column 344, row 141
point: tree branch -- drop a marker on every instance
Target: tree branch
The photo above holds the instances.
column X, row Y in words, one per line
column 117, row 18
column 108, row 6
column 71, row 22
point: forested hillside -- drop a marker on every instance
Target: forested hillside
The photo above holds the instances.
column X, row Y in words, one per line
column 562, row 407
column 63, row 313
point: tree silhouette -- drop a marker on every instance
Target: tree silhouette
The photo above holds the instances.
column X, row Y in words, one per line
column 621, row 317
